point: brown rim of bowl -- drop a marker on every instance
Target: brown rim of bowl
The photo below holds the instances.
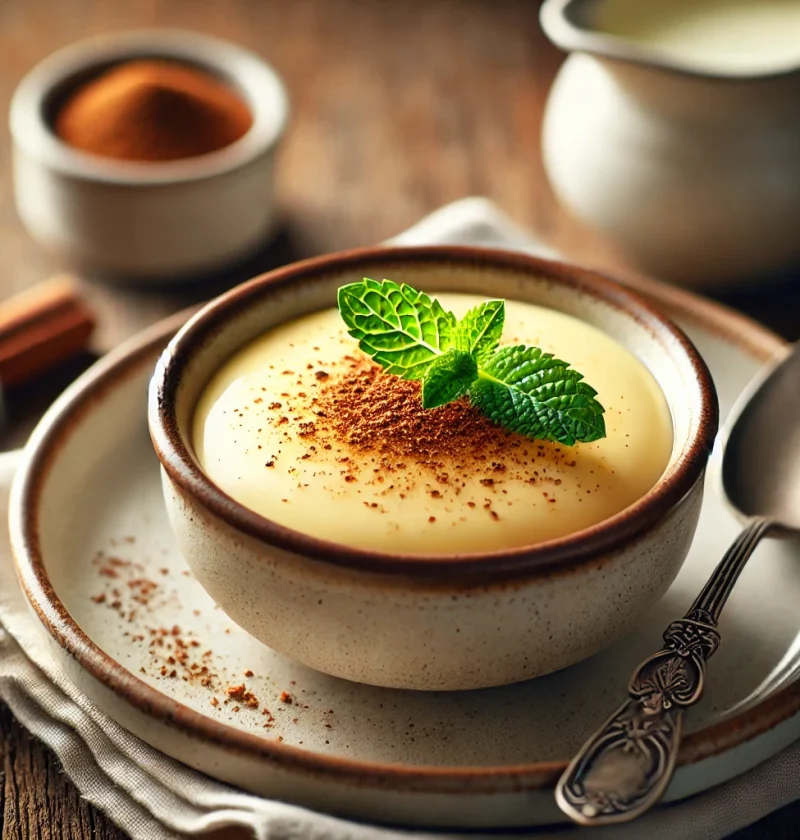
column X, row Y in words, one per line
column 553, row 556
column 79, row 399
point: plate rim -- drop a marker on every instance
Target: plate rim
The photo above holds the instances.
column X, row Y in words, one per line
column 125, row 361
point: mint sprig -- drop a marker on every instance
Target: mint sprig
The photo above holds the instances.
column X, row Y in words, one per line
column 520, row 388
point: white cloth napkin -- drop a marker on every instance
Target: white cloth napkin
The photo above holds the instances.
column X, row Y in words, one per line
column 153, row 797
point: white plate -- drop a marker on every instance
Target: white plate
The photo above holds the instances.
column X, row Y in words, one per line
column 87, row 519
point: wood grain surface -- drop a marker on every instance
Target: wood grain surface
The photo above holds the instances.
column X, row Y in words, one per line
column 398, row 106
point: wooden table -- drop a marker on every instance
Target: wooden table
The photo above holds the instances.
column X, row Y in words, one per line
column 399, row 106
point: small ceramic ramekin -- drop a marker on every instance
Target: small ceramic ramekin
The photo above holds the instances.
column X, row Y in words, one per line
column 142, row 219
column 442, row 621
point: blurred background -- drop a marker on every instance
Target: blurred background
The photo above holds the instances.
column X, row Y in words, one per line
column 397, row 107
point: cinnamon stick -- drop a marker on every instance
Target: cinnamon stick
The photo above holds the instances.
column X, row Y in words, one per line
column 41, row 327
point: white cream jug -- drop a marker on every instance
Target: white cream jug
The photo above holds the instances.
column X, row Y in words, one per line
column 674, row 128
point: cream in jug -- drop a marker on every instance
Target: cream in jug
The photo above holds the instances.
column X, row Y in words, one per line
column 727, row 36
column 674, row 128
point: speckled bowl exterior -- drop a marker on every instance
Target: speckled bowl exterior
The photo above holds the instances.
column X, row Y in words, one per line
column 440, row 622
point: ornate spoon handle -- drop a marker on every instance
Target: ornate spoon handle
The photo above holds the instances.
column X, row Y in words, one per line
column 625, row 767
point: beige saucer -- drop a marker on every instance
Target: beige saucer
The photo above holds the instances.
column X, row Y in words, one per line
column 484, row 758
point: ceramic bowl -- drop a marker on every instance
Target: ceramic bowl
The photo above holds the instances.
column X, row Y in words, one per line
column 440, row 622
column 126, row 219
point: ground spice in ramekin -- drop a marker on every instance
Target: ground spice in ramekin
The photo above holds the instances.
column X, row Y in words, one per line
column 152, row 111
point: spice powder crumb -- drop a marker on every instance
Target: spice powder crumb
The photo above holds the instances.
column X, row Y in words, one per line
column 361, row 410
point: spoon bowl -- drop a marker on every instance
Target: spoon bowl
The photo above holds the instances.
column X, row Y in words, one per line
column 761, row 461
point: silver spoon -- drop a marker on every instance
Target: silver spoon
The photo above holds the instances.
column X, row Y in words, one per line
column 625, row 767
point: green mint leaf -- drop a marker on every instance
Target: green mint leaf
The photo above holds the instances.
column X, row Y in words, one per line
column 536, row 395
column 402, row 329
column 448, row 378
column 479, row 331
column 520, row 388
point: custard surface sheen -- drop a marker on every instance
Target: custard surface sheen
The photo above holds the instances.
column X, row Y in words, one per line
column 301, row 427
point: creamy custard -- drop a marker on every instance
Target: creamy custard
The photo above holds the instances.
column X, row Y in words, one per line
column 301, row 427
column 739, row 36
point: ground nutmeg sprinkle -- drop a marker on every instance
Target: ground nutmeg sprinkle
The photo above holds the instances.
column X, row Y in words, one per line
column 373, row 411
column 380, row 435
column 146, row 601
